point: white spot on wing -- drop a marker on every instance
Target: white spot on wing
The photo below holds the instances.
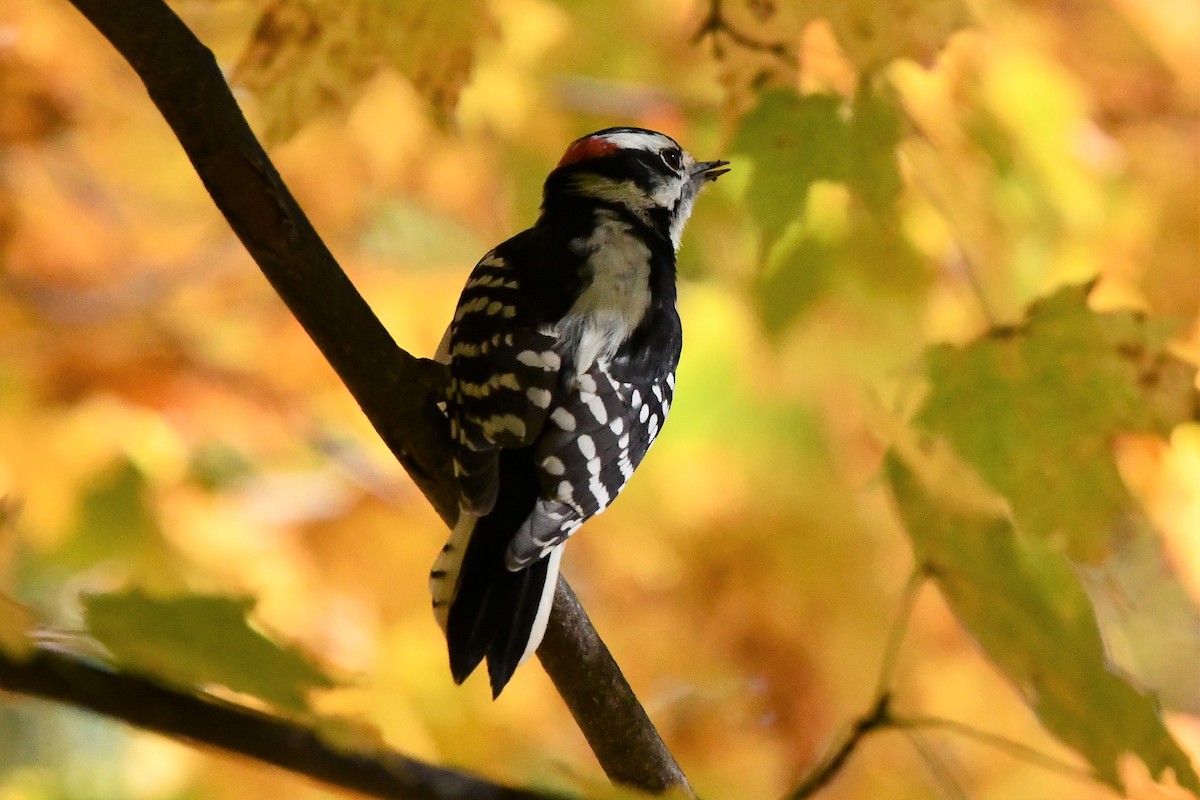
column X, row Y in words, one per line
column 506, row 380
column 563, row 419
column 625, row 467
column 502, row 422
column 595, row 405
column 469, row 307
column 539, row 397
column 587, row 446
column 599, row 492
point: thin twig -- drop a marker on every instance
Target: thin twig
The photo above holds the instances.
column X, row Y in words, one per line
column 1013, row 748
column 216, row 723
column 972, row 267
column 825, row 771
column 395, row 390
column 715, row 24
column 891, row 651
column 941, row 774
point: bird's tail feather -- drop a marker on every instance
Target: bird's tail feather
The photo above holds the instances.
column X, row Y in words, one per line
column 514, row 646
column 486, row 610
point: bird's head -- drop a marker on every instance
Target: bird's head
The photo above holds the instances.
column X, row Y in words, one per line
column 640, row 170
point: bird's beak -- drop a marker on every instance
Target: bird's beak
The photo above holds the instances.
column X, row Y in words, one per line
column 709, row 170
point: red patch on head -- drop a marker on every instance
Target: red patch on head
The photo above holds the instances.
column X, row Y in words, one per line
column 586, row 148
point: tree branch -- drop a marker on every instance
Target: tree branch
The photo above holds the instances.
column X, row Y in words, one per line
column 395, row 390
column 237, row 729
column 597, row 694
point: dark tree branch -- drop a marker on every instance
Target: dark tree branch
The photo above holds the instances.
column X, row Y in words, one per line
column 395, row 390
column 240, row 730
column 596, row 693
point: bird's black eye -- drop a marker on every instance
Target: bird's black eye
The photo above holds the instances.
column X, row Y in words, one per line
column 673, row 158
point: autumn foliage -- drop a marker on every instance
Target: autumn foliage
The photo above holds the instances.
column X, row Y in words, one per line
column 935, row 448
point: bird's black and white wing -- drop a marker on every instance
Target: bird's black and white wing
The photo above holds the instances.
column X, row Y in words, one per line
column 491, row 408
column 589, row 448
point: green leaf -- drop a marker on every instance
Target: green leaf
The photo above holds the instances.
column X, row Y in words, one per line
column 1036, row 408
column 116, row 522
column 875, row 131
column 113, row 515
column 217, row 466
column 196, row 640
column 792, row 141
column 1024, row 604
column 800, row 272
column 823, row 184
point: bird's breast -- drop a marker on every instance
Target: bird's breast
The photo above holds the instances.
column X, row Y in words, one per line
column 615, row 295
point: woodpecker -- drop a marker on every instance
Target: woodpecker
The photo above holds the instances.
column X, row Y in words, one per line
column 562, row 356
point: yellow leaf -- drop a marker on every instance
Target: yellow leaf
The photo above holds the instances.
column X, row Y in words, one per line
column 15, row 622
column 874, row 34
column 310, row 56
column 788, row 43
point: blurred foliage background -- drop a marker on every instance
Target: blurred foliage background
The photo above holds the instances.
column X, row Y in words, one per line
column 907, row 178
